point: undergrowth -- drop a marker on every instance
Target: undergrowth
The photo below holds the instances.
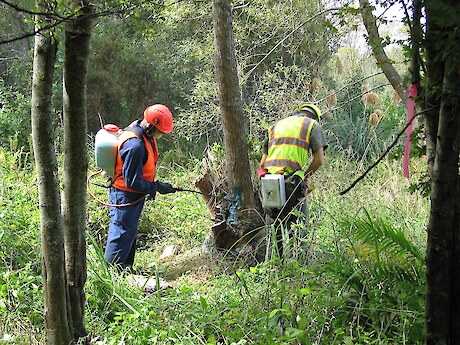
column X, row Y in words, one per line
column 359, row 279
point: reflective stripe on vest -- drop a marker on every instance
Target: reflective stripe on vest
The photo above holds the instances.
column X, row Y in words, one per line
column 289, row 144
column 148, row 169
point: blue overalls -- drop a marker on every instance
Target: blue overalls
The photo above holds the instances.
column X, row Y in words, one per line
column 123, row 228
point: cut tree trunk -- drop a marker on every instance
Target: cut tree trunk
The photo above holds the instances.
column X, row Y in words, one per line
column 232, row 227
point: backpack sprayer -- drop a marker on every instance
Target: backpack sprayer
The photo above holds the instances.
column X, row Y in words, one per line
column 273, row 191
column 106, row 151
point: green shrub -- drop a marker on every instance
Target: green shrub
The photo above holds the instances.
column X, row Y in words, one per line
column 20, row 267
column 14, row 117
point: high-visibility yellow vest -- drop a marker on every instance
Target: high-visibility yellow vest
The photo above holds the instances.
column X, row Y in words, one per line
column 288, row 145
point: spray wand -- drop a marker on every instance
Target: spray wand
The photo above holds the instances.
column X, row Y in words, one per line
column 145, row 197
column 178, row 189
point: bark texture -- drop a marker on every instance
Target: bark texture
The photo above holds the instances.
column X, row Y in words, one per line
column 239, row 172
column 77, row 53
column 434, row 76
column 235, row 215
column 52, row 236
column 443, row 247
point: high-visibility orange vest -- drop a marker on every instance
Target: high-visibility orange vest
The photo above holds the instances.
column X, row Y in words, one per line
column 149, row 169
column 288, row 145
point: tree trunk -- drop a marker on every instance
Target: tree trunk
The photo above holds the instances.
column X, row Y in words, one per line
column 416, row 34
column 237, row 215
column 375, row 43
column 52, row 237
column 442, row 227
column 77, row 50
column 455, row 318
column 434, row 76
column 239, row 172
column 443, row 248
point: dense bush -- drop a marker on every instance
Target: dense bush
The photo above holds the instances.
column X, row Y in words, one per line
column 14, row 117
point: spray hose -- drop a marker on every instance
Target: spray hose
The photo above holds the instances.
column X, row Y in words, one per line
column 145, row 197
column 103, row 203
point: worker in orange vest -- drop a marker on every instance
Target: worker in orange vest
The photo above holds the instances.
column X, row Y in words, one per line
column 134, row 177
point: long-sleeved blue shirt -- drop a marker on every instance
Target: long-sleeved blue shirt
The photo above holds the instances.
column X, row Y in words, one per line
column 134, row 155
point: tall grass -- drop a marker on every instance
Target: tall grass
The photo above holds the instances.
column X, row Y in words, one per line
column 360, row 281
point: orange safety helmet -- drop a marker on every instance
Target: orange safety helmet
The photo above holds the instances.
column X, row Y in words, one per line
column 159, row 116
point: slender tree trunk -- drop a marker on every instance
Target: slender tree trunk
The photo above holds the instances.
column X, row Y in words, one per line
column 52, row 237
column 443, row 224
column 455, row 318
column 238, row 170
column 236, row 215
column 416, row 40
column 434, row 76
column 375, row 42
column 77, row 50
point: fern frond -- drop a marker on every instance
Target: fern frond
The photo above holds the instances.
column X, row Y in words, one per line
column 387, row 240
column 383, row 252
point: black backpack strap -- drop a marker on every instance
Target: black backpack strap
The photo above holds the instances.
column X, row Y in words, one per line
column 290, row 174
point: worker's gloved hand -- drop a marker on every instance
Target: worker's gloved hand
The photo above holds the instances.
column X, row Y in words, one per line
column 165, row 188
column 261, row 172
column 149, row 197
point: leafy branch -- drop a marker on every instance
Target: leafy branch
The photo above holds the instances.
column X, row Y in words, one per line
column 59, row 19
column 285, row 38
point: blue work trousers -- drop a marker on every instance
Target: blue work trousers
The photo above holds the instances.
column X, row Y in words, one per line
column 123, row 229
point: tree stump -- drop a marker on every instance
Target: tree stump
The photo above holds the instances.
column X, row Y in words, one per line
column 233, row 227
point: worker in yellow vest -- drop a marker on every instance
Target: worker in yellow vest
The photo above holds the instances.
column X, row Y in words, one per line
column 286, row 151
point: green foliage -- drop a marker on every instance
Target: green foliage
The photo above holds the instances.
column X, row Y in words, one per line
column 303, row 42
column 16, row 56
column 19, row 217
column 280, row 90
column 387, row 242
column 349, row 128
column 180, row 218
column 14, row 117
column 361, row 279
column 134, row 65
column 277, row 61
column 20, row 292
column 383, row 279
